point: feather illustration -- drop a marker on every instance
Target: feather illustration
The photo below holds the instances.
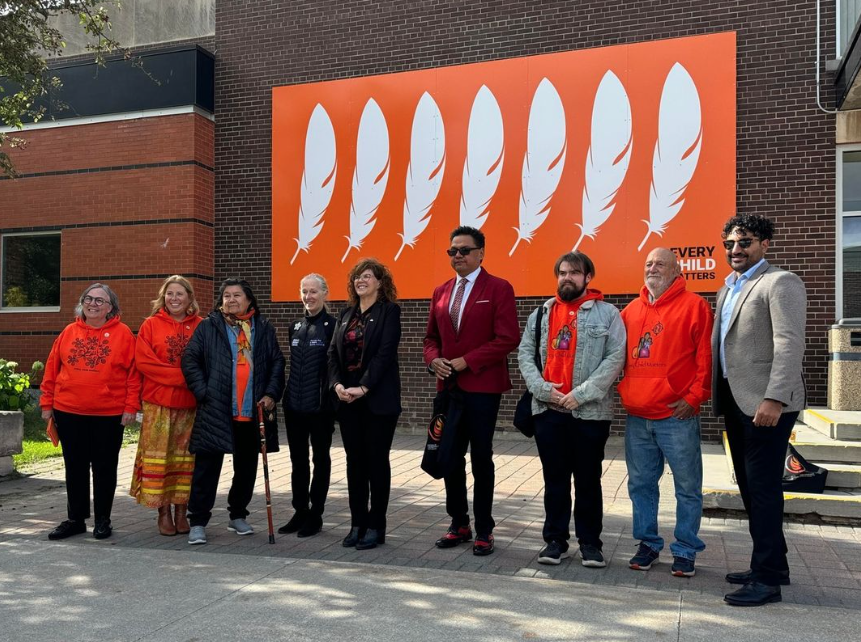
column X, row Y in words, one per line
column 370, row 176
column 609, row 154
column 425, row 171
column 677, row 151
column 485, row 153
column 318, row 178
column 543, row 161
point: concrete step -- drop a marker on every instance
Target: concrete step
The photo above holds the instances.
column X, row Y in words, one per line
column 721, row 492
column 842, row 476
column 816, row 446
column 843, row 425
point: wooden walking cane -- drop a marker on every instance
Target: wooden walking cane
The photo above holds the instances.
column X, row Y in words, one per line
column 266, row 473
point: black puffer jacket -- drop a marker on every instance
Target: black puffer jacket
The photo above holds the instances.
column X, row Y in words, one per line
column 307, row 386
column 207, row 364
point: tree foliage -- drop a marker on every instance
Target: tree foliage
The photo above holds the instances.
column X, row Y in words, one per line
column 28, row 37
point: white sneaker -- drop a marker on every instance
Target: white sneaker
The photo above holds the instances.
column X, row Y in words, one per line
column 197, row 535
column 240, row 527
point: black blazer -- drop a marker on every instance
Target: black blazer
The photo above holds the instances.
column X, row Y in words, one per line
column 379, row 372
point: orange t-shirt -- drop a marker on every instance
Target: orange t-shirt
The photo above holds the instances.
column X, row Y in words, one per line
column 562, row 340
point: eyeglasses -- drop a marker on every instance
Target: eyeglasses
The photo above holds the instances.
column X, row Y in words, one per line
column 99, row 301
column 742, row 243
column 464, row 251
column 363, row 277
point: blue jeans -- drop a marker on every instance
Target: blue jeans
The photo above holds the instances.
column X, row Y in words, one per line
column 648, row 442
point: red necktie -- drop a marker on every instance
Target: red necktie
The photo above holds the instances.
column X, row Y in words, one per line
column 455, row 307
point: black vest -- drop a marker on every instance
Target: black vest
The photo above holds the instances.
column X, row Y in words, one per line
column 307, row 389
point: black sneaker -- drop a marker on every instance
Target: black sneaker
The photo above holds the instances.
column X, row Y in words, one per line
column 645, row 557
column 683, row 567
column 102, row 529
column 592, row 556
column 553, row 553
column 67, row 529
column 296, row 522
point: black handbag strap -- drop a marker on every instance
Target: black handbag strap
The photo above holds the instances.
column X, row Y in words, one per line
column 538, row 337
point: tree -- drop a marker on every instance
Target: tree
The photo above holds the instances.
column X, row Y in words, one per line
column 28, row 38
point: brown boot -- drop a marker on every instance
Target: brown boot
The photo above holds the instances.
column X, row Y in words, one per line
column 165, row 523
column 182, row 525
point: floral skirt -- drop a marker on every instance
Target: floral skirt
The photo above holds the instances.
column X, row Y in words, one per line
column 163, row 465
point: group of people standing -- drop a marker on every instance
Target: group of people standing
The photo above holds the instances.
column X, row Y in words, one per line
column 203, row 383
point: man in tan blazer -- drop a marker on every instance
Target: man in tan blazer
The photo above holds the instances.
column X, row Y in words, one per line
column 757, row 385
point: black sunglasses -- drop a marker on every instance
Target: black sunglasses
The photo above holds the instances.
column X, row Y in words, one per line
column 742, row 243
column 464, row 251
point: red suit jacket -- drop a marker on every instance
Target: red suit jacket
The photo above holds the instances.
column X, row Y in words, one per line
column 489, row 331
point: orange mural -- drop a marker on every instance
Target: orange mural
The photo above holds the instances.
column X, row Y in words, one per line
column 614, row 151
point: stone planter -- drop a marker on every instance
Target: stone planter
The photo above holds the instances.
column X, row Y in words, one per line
column 11, row 438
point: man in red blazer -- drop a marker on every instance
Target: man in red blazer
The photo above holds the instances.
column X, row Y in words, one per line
column 472, row 328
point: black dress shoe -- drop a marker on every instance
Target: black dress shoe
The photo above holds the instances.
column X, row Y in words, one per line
column 753, row 594
column 353, row 538
column 311, row 526
column 372, row 537
column 102, row 529
column 294, row 524
column 67, row 529
column 743, row 577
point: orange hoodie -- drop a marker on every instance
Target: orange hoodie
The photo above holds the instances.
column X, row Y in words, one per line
column 159, row 347
column 669, row 352
column 91, row 371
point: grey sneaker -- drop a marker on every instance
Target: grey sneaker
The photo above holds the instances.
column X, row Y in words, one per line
column 197, row 535
column 240, row 527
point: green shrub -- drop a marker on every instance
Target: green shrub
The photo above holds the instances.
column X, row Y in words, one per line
column 14, row 385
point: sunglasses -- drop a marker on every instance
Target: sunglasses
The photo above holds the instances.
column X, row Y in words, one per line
column 742, row 243
column 464, row 251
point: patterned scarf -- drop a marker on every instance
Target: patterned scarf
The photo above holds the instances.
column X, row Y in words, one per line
column 241, row 324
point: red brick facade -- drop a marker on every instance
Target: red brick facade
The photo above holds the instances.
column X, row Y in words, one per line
column 785, row 145
column 132, row 200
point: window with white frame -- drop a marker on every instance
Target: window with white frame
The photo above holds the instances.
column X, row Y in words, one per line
column 848, row 13
column 849, row 233
column 30, row 271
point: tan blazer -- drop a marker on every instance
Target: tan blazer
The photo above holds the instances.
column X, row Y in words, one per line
column 764, row 346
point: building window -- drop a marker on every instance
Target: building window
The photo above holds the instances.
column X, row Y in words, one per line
column 849, row 226
column 30, row 271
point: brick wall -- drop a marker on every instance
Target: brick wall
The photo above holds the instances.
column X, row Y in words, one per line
column 132, row 199
column 785, row 145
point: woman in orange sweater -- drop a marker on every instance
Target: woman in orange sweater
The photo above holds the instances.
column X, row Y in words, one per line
column 163, row 465
column 91, row 389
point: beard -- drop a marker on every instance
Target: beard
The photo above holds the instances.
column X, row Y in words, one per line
column 569, row 292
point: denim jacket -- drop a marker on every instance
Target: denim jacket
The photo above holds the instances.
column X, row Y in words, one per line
column 600, row 357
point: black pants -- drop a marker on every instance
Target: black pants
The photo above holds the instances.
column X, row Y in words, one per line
column 316, row 428
column 89, row 441
column 758, row 456
column 569, row 446
column 474, row 430
column 207, row 470
column 367, row 442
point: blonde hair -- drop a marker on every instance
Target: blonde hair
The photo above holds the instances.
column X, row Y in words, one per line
column 158, row 303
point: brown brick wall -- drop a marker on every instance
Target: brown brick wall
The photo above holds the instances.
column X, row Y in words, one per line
column 785, row 145
column 125, row 226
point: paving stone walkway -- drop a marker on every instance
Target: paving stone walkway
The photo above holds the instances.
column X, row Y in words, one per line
column 825, row 560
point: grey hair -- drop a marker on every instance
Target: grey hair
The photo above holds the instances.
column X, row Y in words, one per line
column 320, row 279
column 112, row 296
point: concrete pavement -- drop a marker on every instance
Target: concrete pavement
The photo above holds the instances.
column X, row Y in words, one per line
column 158, row 588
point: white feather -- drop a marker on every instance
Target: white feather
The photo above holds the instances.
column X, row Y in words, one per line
column 425, row 171
column 318, row 178
column 677, row 151
column 543, row 161
column 609, row 154
column 370, row 176
column 485, row 153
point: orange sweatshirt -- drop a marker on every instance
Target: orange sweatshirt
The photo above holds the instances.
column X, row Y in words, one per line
column 158, row 351
column 91, row 371
column 669, row 352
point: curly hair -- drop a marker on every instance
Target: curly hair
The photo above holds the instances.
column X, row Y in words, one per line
column 158, row 303
column 761, row 227
column 387, row 292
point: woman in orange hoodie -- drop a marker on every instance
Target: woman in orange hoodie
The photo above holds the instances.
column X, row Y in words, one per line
column 163, row 465
column 91, row 389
